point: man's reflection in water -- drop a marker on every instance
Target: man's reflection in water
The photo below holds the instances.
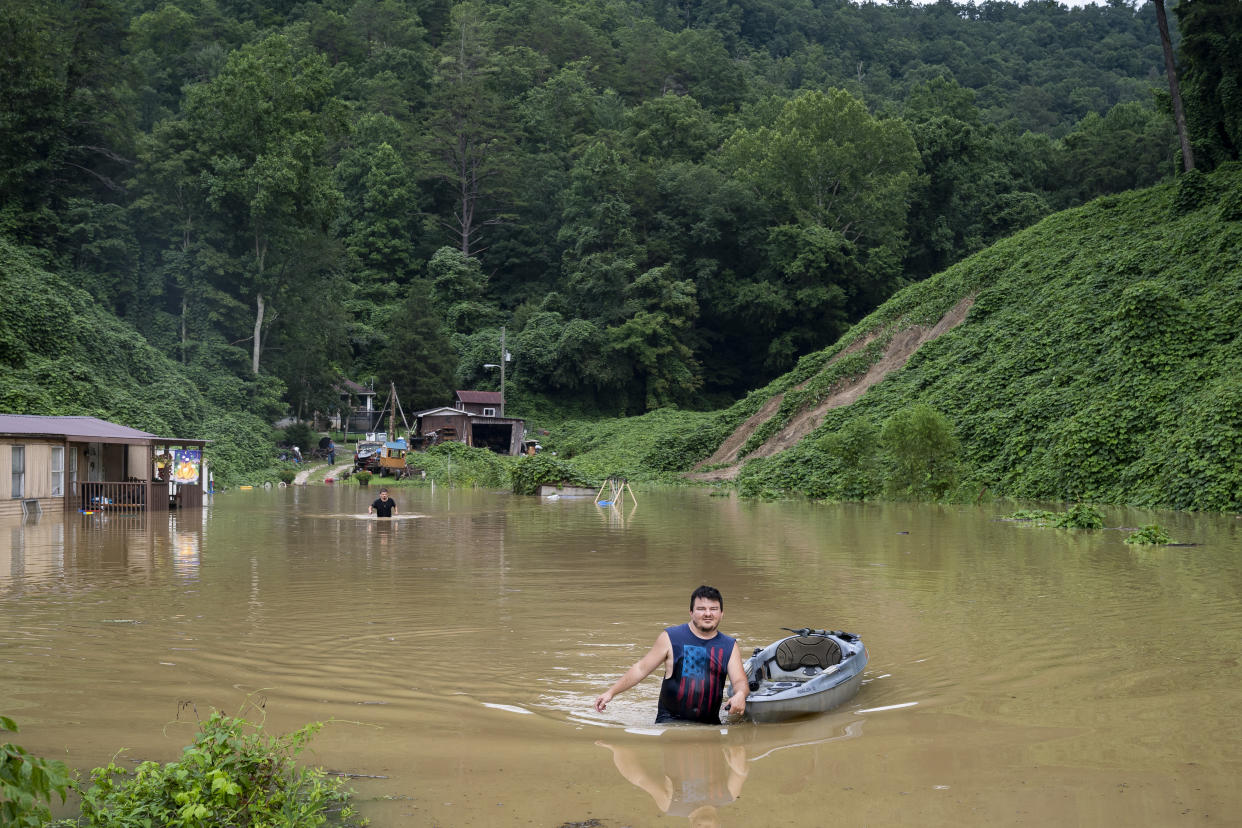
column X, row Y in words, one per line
column 697, row 778
column 383, row 530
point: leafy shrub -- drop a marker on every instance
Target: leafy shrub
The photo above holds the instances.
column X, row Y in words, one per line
column 1081, row 516
column 1150, row 533
column 363, row 478
column 287, row 476
column 26, row 782
column 300, row 435
column 921, row 452
column 458, row 464
column 855, row 451
column 532, row 472
column 232, row 774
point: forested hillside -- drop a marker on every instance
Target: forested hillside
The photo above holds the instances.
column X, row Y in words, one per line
column 661, row 204
column 1099, row 361
column 62, row 353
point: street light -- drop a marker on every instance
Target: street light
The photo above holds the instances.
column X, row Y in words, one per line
column 505, row 356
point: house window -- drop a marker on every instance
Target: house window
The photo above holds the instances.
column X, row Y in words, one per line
column 19, row 471
column 489, row 412
column 58, row 471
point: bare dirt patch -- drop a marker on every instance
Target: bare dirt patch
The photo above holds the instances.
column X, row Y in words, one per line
column 903, row 345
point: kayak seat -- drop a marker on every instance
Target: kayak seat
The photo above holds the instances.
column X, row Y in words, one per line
column 807, row 651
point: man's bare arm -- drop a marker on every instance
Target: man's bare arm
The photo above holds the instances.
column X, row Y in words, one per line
column 642, row 668
column 741, row 688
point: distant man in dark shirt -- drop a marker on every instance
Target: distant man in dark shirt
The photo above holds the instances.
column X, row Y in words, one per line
column 696, row 658
column 384, row 506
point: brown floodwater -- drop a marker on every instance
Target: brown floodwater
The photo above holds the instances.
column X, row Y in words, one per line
column 1018, row 675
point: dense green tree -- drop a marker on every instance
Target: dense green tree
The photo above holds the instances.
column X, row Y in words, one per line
column 838, row 180
column 66, row 129
column 457, row 290
column 828, row 162
column 469, row 130
column 260, row 130
column 1130, row 147
column 570, row 155
column 385, row 238
column 416, row 354
column 1211, row 52
column 598, row 233
column 658, row 366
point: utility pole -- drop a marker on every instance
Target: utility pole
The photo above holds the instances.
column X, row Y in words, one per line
column 502, row 370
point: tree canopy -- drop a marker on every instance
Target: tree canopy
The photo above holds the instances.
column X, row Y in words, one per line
column 664, row 205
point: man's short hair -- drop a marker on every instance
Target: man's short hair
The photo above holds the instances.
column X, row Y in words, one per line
column 710, row 593
column 383, row 489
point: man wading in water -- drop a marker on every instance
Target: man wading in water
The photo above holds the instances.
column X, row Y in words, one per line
column 696, row 659
column 383, row 507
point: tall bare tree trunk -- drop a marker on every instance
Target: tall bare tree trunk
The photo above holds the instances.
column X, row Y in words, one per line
column 1179, row 116
column 258, row 327
column 260, row 258
column 184, row 338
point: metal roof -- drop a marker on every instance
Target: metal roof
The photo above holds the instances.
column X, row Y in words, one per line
column 445, row 410
column 355, row 388
column 83, row 429
column 481, row 397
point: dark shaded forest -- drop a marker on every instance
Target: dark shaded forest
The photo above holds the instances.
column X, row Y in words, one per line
column 661, row 204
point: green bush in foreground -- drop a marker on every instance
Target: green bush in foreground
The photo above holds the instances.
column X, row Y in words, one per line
column 233, row 774
column 26, row 782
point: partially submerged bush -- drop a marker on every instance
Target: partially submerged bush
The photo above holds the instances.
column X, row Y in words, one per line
column 1151, row 533
column 541, row 470
column 1081, row 516
column 1036, row 515
column 922, row 453
column 233, row 774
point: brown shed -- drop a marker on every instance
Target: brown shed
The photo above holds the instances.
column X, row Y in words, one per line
column 485, row 403
column 502, row 435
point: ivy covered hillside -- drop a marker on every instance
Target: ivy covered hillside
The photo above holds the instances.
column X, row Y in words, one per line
column 1099, row 359
column 62, row 353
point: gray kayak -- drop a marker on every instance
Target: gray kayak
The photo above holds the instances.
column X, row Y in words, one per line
column 811, row 671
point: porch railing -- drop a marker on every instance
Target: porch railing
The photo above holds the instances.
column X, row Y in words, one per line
column 118, row 496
